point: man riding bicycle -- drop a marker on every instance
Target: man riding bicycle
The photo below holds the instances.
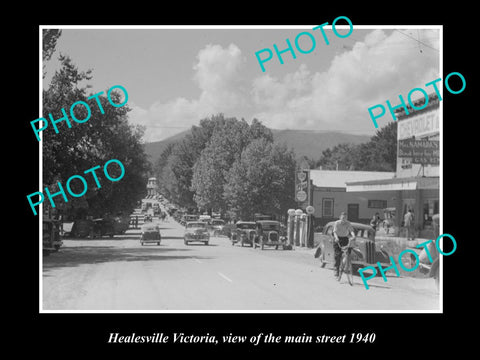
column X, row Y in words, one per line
column 342, row 233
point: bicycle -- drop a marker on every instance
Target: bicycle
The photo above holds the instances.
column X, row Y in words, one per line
column 346, row 263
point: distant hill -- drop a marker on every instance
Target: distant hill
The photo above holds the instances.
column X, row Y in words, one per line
column 154, row 149
column 312, row 143
column 304, row 142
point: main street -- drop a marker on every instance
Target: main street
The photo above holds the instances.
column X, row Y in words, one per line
column 120, row 274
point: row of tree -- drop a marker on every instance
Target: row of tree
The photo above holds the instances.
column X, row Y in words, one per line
column 103, row 137
column 378, row 154
column 227, row 165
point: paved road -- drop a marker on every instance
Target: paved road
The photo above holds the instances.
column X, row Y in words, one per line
column 120, row 274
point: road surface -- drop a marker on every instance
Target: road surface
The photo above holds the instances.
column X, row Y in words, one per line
column 121, row 275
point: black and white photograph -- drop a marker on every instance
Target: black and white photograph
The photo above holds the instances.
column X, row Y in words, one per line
column 201, row 186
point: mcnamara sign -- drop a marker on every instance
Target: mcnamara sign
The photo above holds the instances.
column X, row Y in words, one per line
column 420, row 151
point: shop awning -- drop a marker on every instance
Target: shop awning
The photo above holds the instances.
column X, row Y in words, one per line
column 410, row 183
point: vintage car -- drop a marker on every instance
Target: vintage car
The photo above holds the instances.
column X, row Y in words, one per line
column 150, row 234
column 244, row 232
column 51, row 236
column 120, row 224
column 217, row 226
column 188, row 218
column 98, row 227
column 268, row 233
column 103, row 227
column 364, row 252
column 82, row 228
column 196, row 231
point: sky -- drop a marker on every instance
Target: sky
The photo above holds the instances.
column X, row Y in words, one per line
column 178, row 76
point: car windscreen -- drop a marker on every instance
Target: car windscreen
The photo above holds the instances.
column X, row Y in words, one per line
column 269, row 227
column 196, row 225
column 245, row 226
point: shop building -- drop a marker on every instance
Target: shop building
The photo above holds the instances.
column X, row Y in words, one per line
column 330, row 196
column 416, row 185
column 152, row 187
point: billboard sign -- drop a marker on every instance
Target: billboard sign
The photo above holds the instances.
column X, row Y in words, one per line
column 420, row 151
column 302, row 188
column 420, row 125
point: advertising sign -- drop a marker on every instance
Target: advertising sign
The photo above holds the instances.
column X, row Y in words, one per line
column 420, row 151
column 421, row 125
column 302, row 180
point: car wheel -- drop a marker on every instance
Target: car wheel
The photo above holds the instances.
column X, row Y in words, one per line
column 185, row 242
column 141, row 243
column 158, row 243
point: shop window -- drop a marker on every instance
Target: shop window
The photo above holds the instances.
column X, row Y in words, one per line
column 377, row 204
column 327, row 207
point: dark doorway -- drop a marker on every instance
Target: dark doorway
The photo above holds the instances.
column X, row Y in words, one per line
column 352, row 212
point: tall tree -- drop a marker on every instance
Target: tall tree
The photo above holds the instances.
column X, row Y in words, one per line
column 224, row 147
column 49, row 42
column 378, row 154
column 81, row 146
column 261, row 180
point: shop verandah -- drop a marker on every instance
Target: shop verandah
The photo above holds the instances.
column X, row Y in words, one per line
column 421, row 195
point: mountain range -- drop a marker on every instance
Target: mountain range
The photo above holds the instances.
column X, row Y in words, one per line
column 304, row 142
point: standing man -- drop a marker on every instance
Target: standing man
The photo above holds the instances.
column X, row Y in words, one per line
column 374, row 221
column 408, row 223
column 342, row 232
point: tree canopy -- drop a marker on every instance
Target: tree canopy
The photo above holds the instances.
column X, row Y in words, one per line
column 103, row 137
column 199, row 172
column 378, row 154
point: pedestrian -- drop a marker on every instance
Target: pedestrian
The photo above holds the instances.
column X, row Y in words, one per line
column 374, row 222
column 408, row 222
column 342, row 233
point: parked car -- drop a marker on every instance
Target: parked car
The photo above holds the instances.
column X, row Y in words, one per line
column 196, row 231
column 268, row 233
column 188, row 218
column 150, row 234
column 364, row 252
column 82, row 228
column 244, row 232
column 51, row 236
column 97, row 228
column 427, row 267
column 121, row 224
column 102, row 227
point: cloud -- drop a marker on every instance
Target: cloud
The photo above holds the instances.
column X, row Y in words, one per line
column 217, row 73
column 377, row 69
